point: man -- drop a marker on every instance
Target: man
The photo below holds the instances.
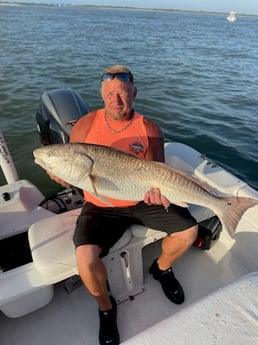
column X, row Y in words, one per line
column 99, row 227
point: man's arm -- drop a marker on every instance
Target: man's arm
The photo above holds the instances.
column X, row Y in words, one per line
column 156, row 142
column 81, row 128
column 156, row 153
column 78, row 134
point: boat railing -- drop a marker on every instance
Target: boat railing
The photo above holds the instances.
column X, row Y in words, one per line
column 6, row 162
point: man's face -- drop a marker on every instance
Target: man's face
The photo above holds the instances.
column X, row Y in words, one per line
column 118, row 97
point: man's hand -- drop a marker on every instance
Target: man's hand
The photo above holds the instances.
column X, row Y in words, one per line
column 154, row 197
column 57, row 179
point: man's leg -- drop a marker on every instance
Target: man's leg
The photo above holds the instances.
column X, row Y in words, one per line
column 94, row 276
column 182, row 230
column 173, row 247
column 97, row 230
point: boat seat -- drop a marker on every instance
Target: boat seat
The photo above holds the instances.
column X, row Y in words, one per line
column 187, row 159
column 124, row 264
column 22, row 291
column 54, row 255
column 227, row 316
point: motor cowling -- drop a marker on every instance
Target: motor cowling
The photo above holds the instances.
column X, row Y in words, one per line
column 57, row 112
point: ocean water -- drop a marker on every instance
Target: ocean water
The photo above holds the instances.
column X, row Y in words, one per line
column 197, row 76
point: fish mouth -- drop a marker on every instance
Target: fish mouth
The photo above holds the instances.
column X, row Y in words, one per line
column 37, row 158
column 39, row 162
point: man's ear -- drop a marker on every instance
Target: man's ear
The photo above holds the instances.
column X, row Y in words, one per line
column 135, row 91
column 100, row 91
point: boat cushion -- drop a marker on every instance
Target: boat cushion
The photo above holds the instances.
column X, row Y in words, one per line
column 52, row 248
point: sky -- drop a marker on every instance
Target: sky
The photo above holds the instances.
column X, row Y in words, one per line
column 239, row 6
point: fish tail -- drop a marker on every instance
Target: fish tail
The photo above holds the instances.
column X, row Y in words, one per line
column 233, row 212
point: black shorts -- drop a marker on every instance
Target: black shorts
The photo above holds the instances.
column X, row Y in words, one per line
column 104, row 226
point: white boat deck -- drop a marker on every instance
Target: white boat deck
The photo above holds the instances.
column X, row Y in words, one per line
column 72, row 319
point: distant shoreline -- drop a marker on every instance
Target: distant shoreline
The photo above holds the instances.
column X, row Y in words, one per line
column 11, row 4
column 6, row 3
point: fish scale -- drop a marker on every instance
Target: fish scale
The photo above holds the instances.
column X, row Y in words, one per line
column 106, row 172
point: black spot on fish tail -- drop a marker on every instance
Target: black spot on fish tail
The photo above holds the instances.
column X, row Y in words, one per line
column 232, row 214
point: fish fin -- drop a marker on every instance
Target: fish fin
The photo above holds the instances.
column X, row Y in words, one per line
column 102, row 198
column 204, row 185
column 92, row 179
column 95, row 193
column 233, row 212
column 191, row 178
column 180, row 203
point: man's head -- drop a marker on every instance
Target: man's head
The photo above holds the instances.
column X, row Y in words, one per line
column 118, row 91
column 117, row 71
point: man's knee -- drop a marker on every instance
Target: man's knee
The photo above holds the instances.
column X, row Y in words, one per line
column 188, row 235
column 87, row 253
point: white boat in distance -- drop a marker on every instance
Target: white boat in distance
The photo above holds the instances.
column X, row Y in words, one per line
column 42, row 300
column 232, row 17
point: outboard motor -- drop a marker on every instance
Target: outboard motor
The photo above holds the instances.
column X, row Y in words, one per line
column 57, row 113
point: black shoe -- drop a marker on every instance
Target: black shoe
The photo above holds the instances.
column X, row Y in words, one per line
column 108, row 331
column 170, row 285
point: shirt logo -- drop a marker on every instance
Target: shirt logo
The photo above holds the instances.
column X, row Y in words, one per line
column 136, row 148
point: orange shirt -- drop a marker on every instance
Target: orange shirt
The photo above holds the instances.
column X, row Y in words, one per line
column 132, row 139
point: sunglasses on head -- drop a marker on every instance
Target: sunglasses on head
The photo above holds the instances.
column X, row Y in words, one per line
column 123, row 76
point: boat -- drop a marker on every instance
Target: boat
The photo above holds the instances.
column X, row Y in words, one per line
column 232, row 17
column 42, row 299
